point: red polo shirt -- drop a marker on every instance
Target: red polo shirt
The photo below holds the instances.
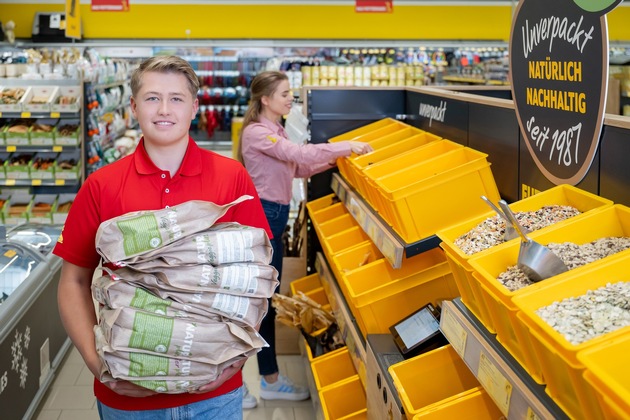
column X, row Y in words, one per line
column 134, row 183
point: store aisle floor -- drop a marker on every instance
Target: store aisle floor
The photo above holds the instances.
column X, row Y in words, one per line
column 70, row 396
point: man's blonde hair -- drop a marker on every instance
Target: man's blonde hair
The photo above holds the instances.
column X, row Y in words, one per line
column 165, row 64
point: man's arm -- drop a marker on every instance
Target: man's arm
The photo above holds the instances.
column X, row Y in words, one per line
column 78, row 315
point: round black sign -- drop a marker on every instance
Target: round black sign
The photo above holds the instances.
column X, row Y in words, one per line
column 559, row 77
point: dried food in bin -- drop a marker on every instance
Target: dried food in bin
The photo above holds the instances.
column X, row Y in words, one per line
column 317, row 325
column 67, row 129
column 491, row 231
column 590, row 315
column 22, row 159
column 42, row 128
column 573, row 255
column 43, row 164
column 10, row 96
column 19, row 126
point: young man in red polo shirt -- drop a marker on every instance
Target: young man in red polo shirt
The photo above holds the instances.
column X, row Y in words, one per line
column 166, row 169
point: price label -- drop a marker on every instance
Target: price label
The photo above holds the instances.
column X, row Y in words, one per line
column 25, row 115
column 389, row 250
column 454, row 332
column 57, row 148
column 499, row 388
column 36, row 182
column 11, row 148
column 60, row 182
column 9, row 182
column 342, row 194
column 531, row 415
column 55, row 115
column 334, row 185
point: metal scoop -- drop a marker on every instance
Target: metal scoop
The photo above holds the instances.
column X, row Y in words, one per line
column 510, row 232
column 537, row 261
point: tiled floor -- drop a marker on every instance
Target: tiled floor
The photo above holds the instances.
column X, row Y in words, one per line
column 70, row 397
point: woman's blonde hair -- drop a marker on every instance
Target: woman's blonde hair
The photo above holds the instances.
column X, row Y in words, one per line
column 264, row 84
column 165, row 64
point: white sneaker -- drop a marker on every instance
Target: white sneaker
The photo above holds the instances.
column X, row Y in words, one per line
column 249, row 401
column 282, row 389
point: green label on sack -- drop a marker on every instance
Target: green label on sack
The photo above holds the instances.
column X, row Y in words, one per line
column 151, row 332
column 157, row 386
column 140, row 234
column 143, row 365
column 148, row 302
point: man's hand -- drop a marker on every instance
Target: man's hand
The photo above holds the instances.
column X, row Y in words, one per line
column 224, row 376
column 360, row 148
column 128, row 389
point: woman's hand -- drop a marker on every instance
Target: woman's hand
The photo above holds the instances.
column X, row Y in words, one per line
column 360, row 148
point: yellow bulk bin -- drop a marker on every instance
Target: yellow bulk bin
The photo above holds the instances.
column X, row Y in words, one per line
column 306, row 284
column 366, row 133
column 513, row 334
column 368, row 183
column 354, row 257
column 360, row 163
column 477, row 404
column 563, row 369
column 344, row 400
column 434, row 378
column 380, row 295
column 431, row 195
column 469, row 288
column 332, row 368
column 608, row 373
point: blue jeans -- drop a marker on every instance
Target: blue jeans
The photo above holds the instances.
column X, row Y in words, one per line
column 277, row 217
column 226, row 407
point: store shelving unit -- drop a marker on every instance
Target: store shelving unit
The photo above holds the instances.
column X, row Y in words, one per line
column 512, row 389
column 56, row 185
column 516, row 394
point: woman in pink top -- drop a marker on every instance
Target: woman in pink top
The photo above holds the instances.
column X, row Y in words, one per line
column 272, row 161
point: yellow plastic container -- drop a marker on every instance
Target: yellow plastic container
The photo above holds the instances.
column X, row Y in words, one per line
column 332, row 368
column 478, row 404
column 513, row 334
column 306, row 284
column 378, row 144
column 367, row 184
column 318, row 295
column 344, row 240
column 354, row 257
column 344, row 400
column 328, row 213
column 439, row 192
column 434, row 378
column 609, row 375
column 336, row 225
column 359, row 163
column 367, row 133
column 321, row 203
column 380, row 295
column 469, row 288
column 562, row 368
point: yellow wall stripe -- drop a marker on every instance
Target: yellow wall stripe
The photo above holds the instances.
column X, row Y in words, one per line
column 336, row 22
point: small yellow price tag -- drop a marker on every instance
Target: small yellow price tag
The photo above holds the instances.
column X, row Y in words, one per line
column 11, row 148
column 26, row 115
column 36, row 182
column 60, row 182
column 55, row 115
column 9, row 182
column 57, row 148
column 0, row 114
column 10, row 253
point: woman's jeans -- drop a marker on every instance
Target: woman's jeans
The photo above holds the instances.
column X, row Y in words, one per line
column 277, row 217
column 225, row 407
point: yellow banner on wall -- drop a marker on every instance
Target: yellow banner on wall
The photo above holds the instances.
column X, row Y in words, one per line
column 73, row 19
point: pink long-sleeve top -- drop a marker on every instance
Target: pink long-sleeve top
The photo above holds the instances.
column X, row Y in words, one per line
column 273, row 160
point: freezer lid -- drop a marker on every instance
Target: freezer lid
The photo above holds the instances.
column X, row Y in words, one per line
column 17, row 262
column 40, row 237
